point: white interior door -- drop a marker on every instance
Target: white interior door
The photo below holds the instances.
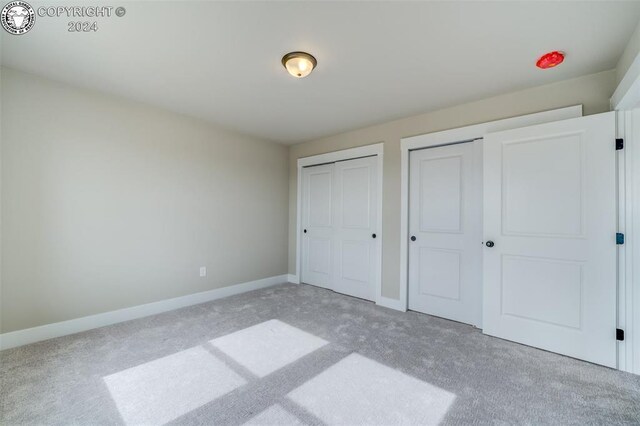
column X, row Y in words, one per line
column 445, row 246
column 318, row 213
column 357, row 236
column 550, row 212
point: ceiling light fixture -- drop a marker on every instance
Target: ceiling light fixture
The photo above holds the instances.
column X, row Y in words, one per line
column 299, row 64
column 550, row 60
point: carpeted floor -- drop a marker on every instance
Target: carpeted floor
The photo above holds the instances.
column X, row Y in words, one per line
column 302, row 355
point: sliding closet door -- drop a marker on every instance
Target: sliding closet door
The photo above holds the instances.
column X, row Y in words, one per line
column 318, row 212
column 341, row 237
column 445, row 215
column 357, row 235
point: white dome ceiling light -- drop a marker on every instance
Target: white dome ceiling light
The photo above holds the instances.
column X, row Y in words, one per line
column 299, row 64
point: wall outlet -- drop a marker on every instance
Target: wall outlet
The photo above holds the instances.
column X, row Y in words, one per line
column 203, row 271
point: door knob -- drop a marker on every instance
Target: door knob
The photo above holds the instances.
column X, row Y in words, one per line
column 489, row 243
column 413, row 238
column 373, row 235
column 305, row 231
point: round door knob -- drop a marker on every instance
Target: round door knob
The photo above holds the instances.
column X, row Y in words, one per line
column 413, row 238
column 305, row 231
column 373, row 235
column 490, row 244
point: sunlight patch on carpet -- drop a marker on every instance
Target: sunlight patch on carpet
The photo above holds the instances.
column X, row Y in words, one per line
column 268, row 346
column 274, row 415
column 164, row 389
column 358, row 390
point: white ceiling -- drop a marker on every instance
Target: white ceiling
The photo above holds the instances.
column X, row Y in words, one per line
column 376, row 61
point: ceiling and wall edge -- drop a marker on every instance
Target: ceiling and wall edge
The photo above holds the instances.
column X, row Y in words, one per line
column 611, row 74
column 234, row 131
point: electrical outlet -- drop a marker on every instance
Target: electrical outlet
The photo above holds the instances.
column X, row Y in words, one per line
column 203, row 271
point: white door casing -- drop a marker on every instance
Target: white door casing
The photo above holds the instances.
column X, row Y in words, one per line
column 550, row 208
column 445, row 225
column 357, row 234
column 318, row 224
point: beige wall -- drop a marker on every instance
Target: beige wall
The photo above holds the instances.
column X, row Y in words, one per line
column 108, row 203
column 592, row 91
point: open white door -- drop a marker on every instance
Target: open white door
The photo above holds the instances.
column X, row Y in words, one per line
column 357, row 235
column 318, row 225
column 445, row 216
column 550, row 237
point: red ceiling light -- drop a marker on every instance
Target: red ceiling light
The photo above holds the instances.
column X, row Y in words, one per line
column 550, row 60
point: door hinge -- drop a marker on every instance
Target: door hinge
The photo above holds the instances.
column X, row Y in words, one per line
column 619, row 334
column 619, row 143
column 619, row 238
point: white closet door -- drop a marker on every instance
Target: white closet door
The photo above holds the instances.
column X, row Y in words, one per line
column 318, row 225
column 550, row 219
column 357, row 234
column 445, row 245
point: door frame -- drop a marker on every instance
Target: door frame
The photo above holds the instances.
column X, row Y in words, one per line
column 331, row 157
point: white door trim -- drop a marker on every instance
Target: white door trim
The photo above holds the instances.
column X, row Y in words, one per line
column 629, row 257
column 626, row 101
column 632, row 227
column 330, row 157
column 445, row 137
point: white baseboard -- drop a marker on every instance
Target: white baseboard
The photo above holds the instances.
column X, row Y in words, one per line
column 293, row 279
column 63, row 328
column 391, row 303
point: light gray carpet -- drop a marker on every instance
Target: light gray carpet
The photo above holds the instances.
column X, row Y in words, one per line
column 302, row 355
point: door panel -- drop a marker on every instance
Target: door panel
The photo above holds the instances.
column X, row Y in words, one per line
column 319, row 255
column 439, row 273
column 320, row 194
column 441, row 180
column 533, row 177
column 355, row 194
column 318, row 221
column 444, row 217
column 528, row 282
column 356, row 254
column 550, row 209
column 355, row 261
